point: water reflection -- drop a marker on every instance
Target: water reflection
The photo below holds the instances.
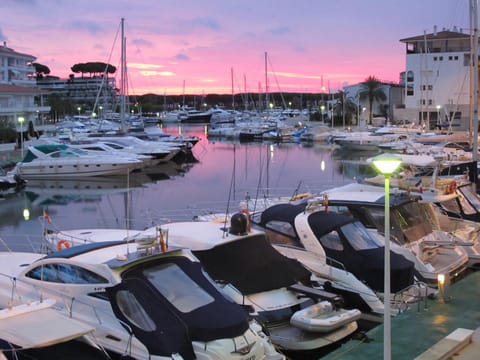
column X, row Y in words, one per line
column 218, row 175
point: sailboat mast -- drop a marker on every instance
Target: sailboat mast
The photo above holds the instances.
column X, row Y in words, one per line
column 233, row 93
column 474, row 74
column 123, row 77
column 266, row 83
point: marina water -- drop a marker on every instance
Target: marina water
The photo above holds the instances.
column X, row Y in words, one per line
column 216, row 180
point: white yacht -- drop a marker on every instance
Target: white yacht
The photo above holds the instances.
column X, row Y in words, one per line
column 432, row 250
column 137, row 301
column 160, row 151
column 337, row 241
column 61, row 161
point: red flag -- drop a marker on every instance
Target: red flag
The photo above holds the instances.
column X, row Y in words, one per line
column 46, row 217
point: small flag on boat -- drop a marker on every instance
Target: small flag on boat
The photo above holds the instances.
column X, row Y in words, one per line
column 46, row 217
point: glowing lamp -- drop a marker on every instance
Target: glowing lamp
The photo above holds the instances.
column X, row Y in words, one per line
column 386, row 164
column 26, row 214
column 441, row 279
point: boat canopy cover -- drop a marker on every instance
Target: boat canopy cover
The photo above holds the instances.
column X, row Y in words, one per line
column 281, row 212
column 288, row 212
column 366, row 263
column 252, row 265
column 82, row 249
column 174, row 328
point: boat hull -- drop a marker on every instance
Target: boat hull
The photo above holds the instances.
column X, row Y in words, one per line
column 45, row 171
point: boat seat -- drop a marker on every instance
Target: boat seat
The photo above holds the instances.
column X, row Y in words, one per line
column 335, row 299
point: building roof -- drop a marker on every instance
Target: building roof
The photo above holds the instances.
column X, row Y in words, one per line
column 16, row 89
column 6, row 50
column 440, row 35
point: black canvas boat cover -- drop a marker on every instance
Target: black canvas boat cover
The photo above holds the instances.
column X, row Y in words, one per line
column 174, row 329
column 281, row 212
column 366, row 264
column 252, row 265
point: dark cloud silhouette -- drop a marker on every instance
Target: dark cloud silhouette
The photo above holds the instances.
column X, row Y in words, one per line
column 91, row 27
column 281, row 30
column 182, row 57
column 142, row 42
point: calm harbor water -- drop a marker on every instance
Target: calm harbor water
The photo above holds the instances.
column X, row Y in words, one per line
column 221, row 175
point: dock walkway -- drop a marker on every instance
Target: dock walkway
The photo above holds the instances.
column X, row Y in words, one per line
column 416, row 331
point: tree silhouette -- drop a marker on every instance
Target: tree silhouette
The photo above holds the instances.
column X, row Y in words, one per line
column 93, row 68
column 40, row 70
column 372, row 89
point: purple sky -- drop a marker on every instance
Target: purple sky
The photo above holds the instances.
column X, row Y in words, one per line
column 310, row 43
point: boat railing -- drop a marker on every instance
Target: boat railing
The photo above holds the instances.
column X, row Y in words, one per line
column 24, row 243
column 68, row 303
column 416, row 293
column 335, row 263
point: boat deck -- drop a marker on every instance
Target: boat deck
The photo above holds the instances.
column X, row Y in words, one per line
column 417, row 330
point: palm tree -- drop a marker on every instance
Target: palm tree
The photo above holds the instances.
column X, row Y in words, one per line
column 344, row 104
column 372, row 89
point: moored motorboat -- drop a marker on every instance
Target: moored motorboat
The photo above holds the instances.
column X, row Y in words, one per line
column 141, row 302
column 411, row 235
column 59, row 160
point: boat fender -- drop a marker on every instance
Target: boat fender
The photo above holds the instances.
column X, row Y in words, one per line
column 63, row 244
column 453, row 187
column 247, row 214
column 239, row 224
column 163, row 244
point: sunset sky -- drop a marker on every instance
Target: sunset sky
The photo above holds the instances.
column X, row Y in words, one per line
column 192, row 46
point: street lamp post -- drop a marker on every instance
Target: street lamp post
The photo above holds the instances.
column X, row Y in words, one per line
column 439, row 123
column 21, row 119
column 386, row 164
column 79, row 109
column 322, row 109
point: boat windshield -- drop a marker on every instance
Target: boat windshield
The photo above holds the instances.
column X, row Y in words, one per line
column 134, row 311
column 358, row 236
column 177, row 287
column 409, row 222
column 68, row 153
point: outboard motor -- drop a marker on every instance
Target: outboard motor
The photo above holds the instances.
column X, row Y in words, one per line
column 239, row 224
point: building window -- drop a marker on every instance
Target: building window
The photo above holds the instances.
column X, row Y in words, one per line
column 440, row 58
column 410, row 91
column 435, row 58
column 410, row 76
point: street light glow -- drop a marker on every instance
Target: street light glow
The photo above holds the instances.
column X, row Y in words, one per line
column 386, row 164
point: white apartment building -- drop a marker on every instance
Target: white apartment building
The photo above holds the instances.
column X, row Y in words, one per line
column 19, row 96
column 437, row 80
